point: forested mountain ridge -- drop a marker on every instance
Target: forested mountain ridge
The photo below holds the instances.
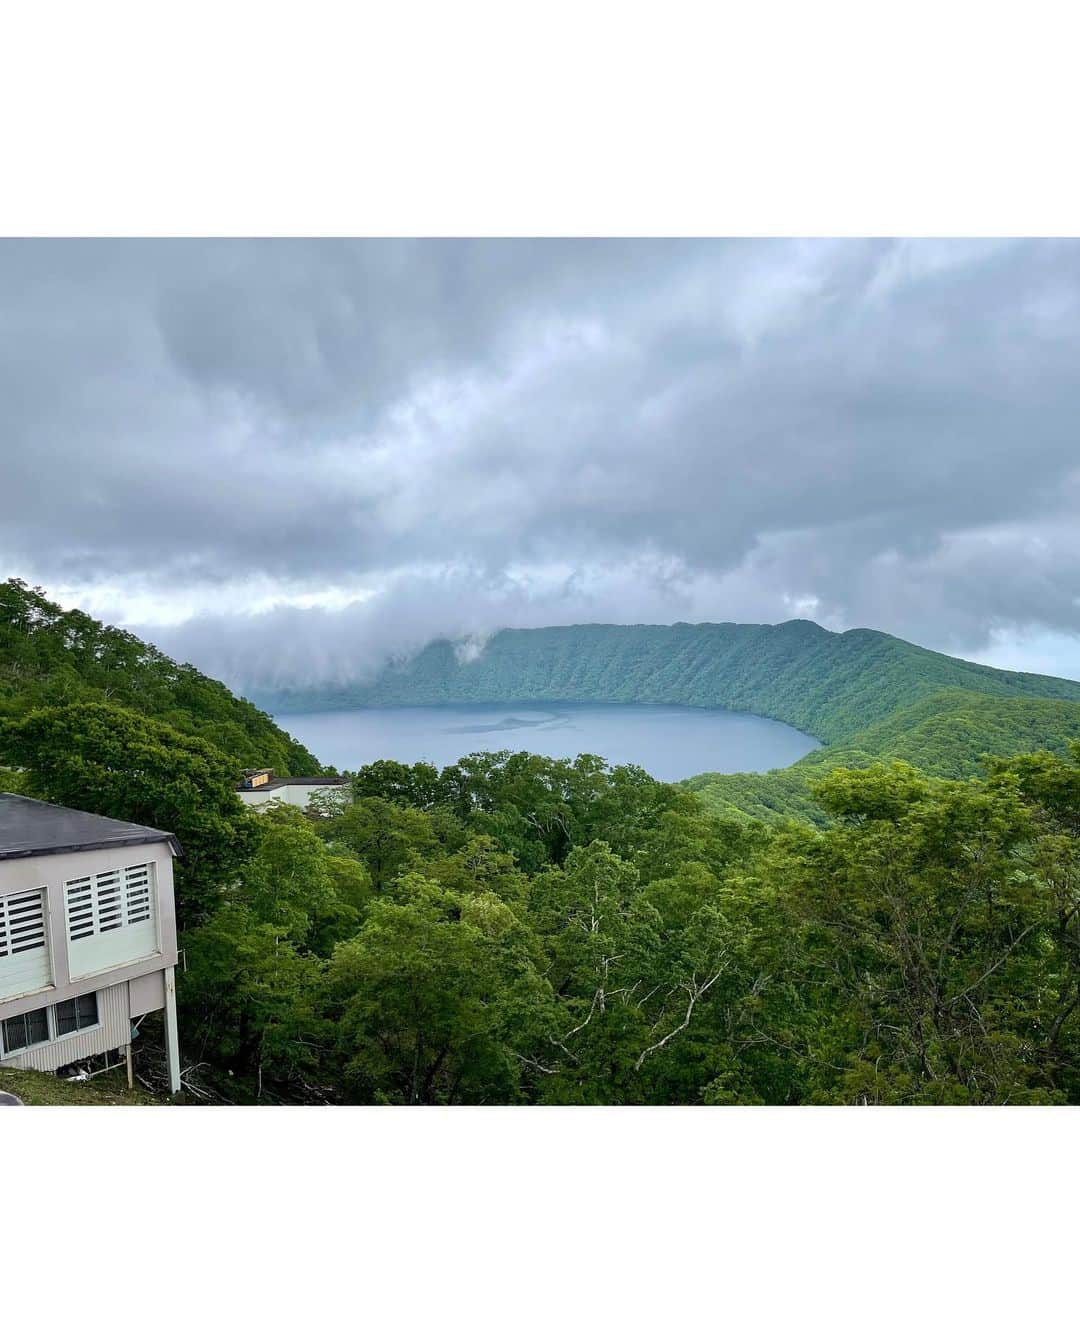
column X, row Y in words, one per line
column 866, row 695
column 948, row 734
column 827, row 684
column 49, row 657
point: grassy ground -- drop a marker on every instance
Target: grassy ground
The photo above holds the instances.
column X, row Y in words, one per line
column 45, row 1089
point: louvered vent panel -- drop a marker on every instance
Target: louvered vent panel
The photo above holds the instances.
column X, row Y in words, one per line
column 111, row 918
column 80, row 908
column 137, row 893
column 22, row 923
column 24, row 944
column 109, row 905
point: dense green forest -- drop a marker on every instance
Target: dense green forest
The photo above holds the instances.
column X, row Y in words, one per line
column 50, row 656
column 519, row 930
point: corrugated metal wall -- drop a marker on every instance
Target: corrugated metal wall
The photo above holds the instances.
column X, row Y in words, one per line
column 114, row 1030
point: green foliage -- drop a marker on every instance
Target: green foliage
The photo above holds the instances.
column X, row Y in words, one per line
column 294, row 883
column 407, row 785
column 536, row 808
column 922, row 948
column 949, row 734
column 933, row 942
column 383, row 835
column 51, row 657
column 435, row 996
column 116, row 762
column 1045, row 781
column 249, row 1002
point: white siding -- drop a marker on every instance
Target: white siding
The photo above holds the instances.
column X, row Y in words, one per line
column 24, row 943
column 295, row 794
column 254, row 799
column 112, row 1031
column 51, row 872
column 146, row 994
column 300, row 794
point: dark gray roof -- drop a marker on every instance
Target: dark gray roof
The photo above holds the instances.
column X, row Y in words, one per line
column 326, row 782
column 29, row 827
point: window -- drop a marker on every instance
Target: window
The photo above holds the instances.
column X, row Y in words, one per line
column 109, row 900
column 22, row 923
column 76, row 1014
column 50, row 1023
column 32, row 1028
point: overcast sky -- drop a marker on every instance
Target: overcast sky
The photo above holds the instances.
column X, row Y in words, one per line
column 287, row 460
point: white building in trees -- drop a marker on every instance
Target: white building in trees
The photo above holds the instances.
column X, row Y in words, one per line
column 87, row 934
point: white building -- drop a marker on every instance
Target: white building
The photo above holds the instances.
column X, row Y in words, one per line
column 261, row 787
column 87, row 934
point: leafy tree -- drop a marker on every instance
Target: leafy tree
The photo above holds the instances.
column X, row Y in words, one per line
column 385, row 836
column 1048, row 782
column 437, row 998
column 352, row 882
column 51, row 657
column 251, row 1003
column 923, row 925
column 289, row 882
column 113, row 761
column 479, row 865
column 602, row 942
column 407, row 785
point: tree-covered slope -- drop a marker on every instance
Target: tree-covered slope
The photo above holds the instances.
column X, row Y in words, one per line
column 49, row 656
column 831, row 685
column 948, row 734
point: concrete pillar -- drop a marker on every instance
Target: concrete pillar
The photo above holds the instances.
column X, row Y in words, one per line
column 172, row 1038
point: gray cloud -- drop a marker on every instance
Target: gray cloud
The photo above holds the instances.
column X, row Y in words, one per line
column 227, row 442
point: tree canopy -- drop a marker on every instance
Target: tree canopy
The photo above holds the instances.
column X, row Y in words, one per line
column 51, row 657
column 517, row 930
column 101, row 758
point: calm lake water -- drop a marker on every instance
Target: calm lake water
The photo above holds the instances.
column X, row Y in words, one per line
column 671, row 743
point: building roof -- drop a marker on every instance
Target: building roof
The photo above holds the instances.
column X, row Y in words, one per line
column 29, row 827
column 328, row 782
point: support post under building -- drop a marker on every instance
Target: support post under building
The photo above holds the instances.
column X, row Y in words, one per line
column 172, row 1036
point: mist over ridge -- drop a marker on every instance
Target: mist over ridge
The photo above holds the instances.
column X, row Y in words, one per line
column 824, row 683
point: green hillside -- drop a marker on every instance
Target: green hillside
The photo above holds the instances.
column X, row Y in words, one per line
column 865, row 695
column 948, row 734
column 830, row 685
column 49, row 656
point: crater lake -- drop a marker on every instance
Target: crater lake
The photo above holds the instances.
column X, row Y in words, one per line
column 669, row 741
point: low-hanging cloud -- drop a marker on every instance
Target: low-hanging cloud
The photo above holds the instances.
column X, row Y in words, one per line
column 288, row 461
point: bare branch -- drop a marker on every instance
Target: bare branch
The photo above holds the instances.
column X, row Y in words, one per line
column 695, row 992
